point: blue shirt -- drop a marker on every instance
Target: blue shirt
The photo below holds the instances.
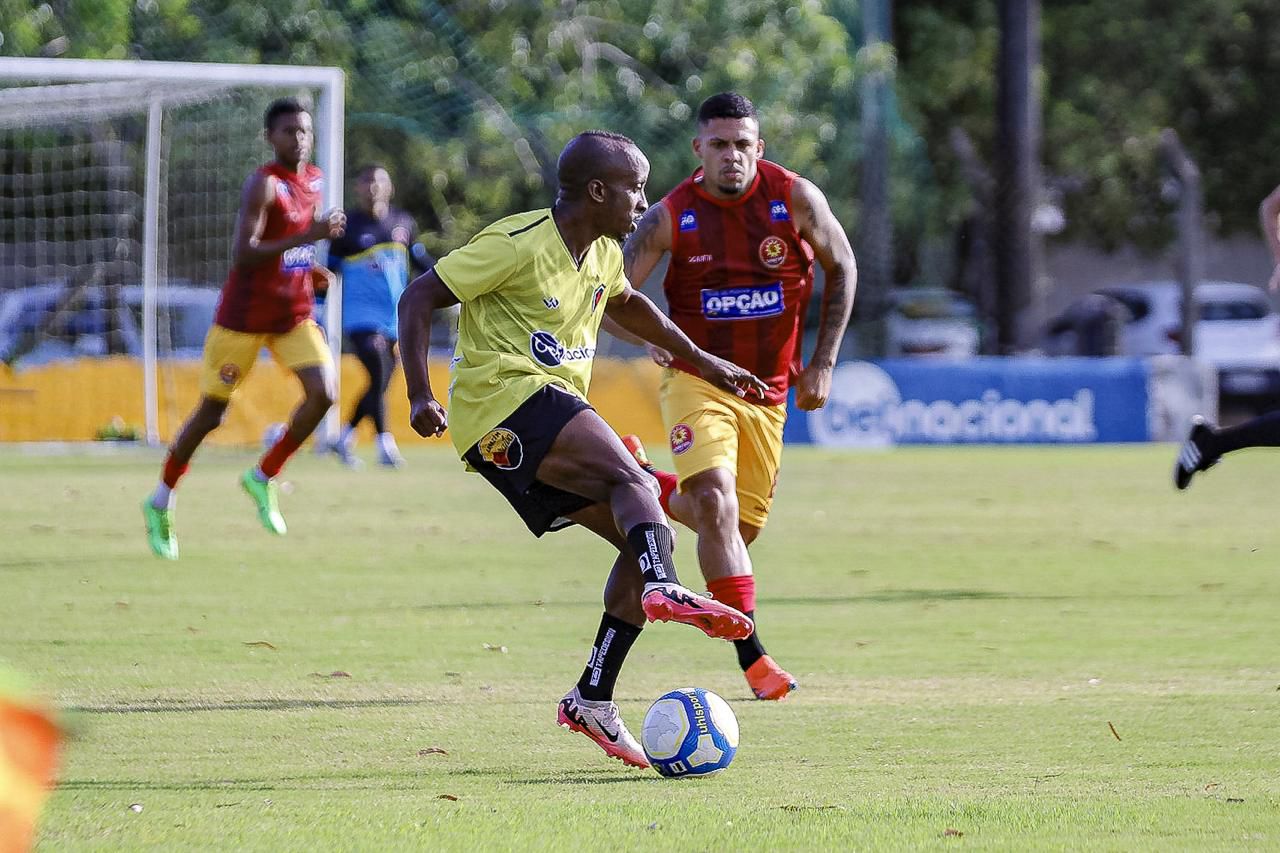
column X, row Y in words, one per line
column 374, row 256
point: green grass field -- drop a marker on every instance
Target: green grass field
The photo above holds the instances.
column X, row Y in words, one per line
column 968, row 627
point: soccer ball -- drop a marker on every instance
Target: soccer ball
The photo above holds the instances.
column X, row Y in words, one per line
column 689, row 732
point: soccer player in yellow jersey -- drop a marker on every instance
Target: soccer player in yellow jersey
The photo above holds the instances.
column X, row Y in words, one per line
column 533, row 289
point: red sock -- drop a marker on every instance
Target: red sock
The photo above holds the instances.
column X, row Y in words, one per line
column 173, row 471
column 736, row 591
column 273, row 460
column 667, row 483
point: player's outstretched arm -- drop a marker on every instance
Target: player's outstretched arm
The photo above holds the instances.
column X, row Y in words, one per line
column 637, row 314
column 821, row 230
column 255, row 201
column 421, row 299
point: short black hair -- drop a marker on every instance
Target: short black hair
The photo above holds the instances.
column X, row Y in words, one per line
column 609, row 135
column 726, row 105
column 282, row 107
column 370, row 168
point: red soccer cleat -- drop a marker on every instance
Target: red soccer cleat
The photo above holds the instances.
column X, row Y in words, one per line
column 671, row 602
column 768, row 680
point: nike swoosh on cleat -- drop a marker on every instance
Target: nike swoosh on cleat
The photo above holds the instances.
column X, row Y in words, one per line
column 612, row 736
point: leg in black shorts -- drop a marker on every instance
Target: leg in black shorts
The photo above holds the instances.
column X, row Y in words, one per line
column 508, row 457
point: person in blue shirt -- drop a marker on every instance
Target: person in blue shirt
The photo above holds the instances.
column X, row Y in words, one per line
column 373, row 256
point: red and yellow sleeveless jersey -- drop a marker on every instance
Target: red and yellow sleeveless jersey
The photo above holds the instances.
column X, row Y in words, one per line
column 276, row 295
column 740, row 276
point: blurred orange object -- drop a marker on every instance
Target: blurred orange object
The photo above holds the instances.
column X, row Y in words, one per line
column 29, row 745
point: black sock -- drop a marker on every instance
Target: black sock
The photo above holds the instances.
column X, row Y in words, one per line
column 749, row 650
column 613, row 641
column 652, row 543
column 1262, row 431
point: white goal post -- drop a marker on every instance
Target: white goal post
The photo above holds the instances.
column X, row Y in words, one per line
column 48, row 93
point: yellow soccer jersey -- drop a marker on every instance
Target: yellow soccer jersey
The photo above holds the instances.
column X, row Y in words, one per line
column 529, row 318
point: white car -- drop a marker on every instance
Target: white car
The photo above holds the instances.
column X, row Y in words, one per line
column 91, row 326
column 1238, row 332
column 932, row 322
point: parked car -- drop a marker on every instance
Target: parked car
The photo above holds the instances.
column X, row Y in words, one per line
column 930, row 321
column 1237, row 331
column 94, row 325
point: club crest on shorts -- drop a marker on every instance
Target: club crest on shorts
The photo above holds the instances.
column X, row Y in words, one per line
column 229, row 374
column 681, row 438
column 773, row 251
column 502, row 448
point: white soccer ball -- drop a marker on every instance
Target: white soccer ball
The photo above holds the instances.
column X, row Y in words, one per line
column 689, row 732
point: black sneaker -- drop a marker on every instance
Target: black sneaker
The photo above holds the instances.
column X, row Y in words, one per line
column 1195, row 453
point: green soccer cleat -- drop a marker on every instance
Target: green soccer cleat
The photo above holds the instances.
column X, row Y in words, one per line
column 264, row 495
column 160, row 534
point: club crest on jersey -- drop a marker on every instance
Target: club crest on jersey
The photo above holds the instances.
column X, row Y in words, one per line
column 229, row 374
column 597, row 296
column 688, row 220
column 502, row 448
column 743, row 303
column 773, row 251
column 546, row 349
column 298, row 258
column 778, row 211
column 681, row 438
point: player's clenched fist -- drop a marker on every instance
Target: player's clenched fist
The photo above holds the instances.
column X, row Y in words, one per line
column 330, row 226
column 427, row 417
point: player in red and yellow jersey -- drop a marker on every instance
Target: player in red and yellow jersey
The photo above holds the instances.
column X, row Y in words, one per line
column 266, row 301
column 743, row 234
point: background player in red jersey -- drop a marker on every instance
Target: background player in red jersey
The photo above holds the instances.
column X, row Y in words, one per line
column 743, row 234
column 267, row 301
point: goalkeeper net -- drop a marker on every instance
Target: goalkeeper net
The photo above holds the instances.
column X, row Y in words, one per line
column 119, row 189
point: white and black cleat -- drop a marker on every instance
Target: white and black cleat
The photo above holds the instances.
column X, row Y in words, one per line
column 1195, row 453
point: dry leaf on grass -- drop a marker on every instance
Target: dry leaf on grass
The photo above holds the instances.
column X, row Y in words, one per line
column 1113, row 730
column 260, row 644
column 433, row 750
column 954, row 833
column 337, row 673
column 490, row 647
column 135, row 807
column 450, row 797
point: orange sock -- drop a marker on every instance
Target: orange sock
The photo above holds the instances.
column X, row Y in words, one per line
column 667, row 483
column 736, row 591
column 273, row 460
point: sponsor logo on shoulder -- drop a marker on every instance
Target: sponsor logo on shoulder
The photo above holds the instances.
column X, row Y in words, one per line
column 773, row 251
column 681, row 438
column 547, row 350
column 597, row 296
column 502, row 448
column 778, row 211
column 698, row 259
column 298, row 258
column 743, row 303
column 688, row 220
column 551, row 302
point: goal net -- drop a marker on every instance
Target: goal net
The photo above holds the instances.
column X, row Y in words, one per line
column 119, row 188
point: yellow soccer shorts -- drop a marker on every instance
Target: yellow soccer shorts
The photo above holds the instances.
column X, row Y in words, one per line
column 710, row 428
column 229, row 355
